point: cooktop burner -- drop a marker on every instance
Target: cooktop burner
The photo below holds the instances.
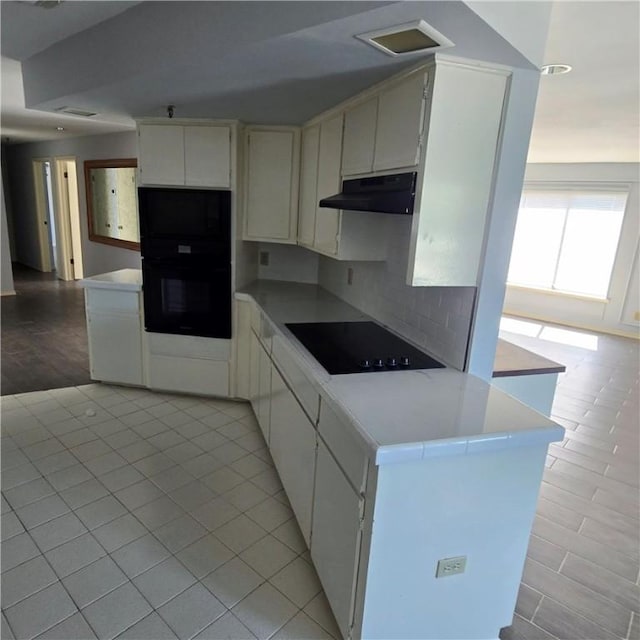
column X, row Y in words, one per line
column 359, row 347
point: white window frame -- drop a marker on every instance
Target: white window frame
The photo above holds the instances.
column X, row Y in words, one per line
column 578, row 187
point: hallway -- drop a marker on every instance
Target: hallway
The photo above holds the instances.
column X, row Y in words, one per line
column 44, row 335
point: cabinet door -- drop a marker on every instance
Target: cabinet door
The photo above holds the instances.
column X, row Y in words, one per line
column 115, row 347
column 359, row 138
column 263, row 414
column 335, row 538
column 329, row 159
column 207, row 152
column 254, row 372
column 293, row 447
column 308, row 186
column 400, row 123
column 161, row 154
column 271, row 202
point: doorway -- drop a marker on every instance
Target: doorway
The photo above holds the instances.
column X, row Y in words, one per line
column 58, row 215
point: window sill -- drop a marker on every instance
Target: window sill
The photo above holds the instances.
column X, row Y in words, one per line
column 560, row 294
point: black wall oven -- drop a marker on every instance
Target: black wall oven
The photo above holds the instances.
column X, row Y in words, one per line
column 185, row 241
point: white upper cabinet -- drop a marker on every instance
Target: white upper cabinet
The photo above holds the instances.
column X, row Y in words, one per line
column 359, row 138
column 194, row 155
column 271, row 184
column 327, row 224
column 207, row 157
column 308, row 186
column 399, row 124
column 455, row 183
column 343, row 235
column 385, row 132
column 161, row 154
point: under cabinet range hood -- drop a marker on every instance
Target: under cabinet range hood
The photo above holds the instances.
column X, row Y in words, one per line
column 393, row 193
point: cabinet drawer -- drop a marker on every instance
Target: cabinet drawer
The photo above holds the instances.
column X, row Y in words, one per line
column 345, row 448
column 301, row 386
column 167, row 344
column 189, row 375
column 262, row 327
column 112, row 301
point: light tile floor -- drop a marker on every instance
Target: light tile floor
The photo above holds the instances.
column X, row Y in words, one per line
column 138, row 515
column 131, row 514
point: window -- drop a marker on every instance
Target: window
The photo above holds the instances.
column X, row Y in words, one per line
column 566, row 240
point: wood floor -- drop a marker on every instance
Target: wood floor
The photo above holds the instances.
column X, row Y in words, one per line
column 581, row 577
column 44, row 334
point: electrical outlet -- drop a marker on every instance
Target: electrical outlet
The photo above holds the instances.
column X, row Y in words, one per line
column 264, row 258
column 451, row 566
column 349, row 275
column 636, row 315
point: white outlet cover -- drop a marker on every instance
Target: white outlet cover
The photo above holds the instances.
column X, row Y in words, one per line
column 451, row 566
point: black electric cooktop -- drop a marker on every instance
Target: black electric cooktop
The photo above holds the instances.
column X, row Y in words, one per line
column 359, row 347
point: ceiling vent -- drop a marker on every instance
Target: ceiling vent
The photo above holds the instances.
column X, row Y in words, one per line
column 44, row 4
column 74, row 111
column 412, row 37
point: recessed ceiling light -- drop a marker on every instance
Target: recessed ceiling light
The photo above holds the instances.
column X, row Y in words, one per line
column 59, row 128
column 555, row 69
column 412, row 37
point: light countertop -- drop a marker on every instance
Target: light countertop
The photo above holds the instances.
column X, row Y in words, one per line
column 402, row 415
column 122, row 280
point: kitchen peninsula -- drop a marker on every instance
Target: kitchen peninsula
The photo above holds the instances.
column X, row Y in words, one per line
column 424, row 480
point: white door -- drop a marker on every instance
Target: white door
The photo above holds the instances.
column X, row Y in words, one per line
column 68, row 166
column 308, row 186
column 400, row 123
column 270, row 213
column 329, row 161
column 207, row 156
column 335, row 537
column 359, row 138
column 161, row 154
column 293, row 447
column 65, row 263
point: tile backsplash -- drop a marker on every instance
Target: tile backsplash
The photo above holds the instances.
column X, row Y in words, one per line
column 435, row 318
column 288, row 262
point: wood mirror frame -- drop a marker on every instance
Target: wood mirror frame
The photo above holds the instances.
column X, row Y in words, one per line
column 101, row 232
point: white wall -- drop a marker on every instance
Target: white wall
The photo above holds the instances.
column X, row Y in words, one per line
column 501, row 220
column 97, row 258
column 6, row 285
column 616, row 315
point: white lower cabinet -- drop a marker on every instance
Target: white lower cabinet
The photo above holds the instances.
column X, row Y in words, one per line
column 293, row 448
column 114, row 332
column 260, row 385
column 336, row 538
column 189, row 364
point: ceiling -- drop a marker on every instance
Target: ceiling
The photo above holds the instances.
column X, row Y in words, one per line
column 284, row 62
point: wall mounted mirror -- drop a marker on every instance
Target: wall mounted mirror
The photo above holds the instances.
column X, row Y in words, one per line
column 112, row 202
